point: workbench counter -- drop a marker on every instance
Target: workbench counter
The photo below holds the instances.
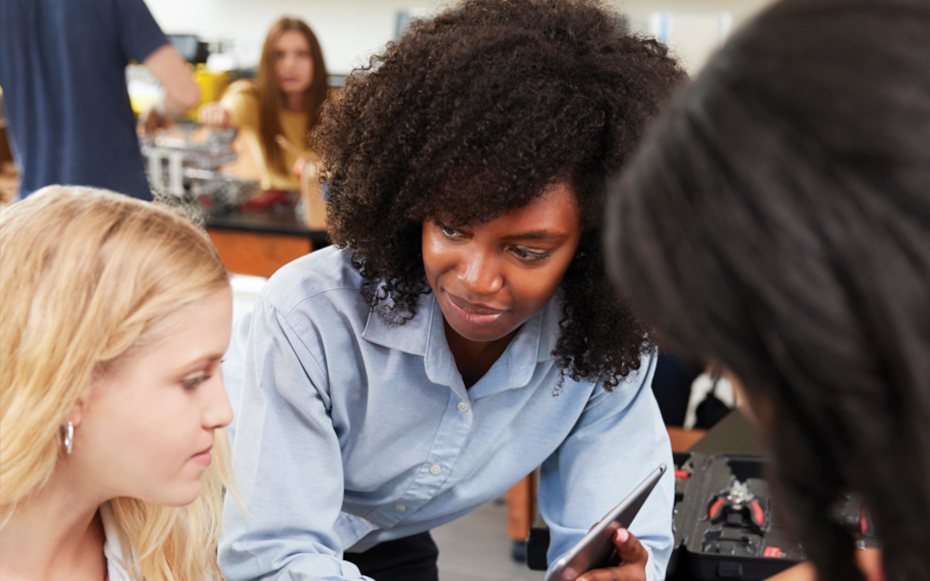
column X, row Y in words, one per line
column 260, row 243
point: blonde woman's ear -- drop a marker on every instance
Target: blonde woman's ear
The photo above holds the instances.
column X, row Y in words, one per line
column 76, row 416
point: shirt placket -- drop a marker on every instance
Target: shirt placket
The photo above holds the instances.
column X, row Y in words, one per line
column 436, row 469
column 451, row 437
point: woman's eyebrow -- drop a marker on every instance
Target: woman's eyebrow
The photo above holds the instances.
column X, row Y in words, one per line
column 201, row 361
column 536, row 235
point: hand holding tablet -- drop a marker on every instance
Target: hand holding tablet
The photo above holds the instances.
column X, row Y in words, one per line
column 594, row 550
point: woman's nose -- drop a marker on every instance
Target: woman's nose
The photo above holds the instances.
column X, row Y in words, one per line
column 481, row 275
column 218, row 412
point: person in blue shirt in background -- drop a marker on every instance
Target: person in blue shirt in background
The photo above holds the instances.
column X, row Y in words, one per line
column 63, row 73
column 463, row 330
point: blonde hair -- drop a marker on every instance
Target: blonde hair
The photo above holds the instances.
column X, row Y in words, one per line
column 86, row 278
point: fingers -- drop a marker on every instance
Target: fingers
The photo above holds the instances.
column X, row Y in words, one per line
column 148, row 122
column 206, row 115
column 870, row 562
column 213, row 115
column 632, row 566
column 629, row 548
column 142, row 127
column 614, row 574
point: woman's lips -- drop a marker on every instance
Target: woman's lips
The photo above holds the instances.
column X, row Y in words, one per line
column 472, row 314
column 203, row 458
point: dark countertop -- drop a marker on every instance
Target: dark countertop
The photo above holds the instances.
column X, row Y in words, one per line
column 268, row 220
column 732, row 435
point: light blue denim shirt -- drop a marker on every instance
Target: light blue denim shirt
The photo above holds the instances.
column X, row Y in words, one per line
column 350, row 432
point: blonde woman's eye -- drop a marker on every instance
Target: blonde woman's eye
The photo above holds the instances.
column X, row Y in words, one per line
column 527, row 255
column 191, row 383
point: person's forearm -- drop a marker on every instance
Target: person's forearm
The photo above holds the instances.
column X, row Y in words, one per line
column 170, row 106
column 172, row 71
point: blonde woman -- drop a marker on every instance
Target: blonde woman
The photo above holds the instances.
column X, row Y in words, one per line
column 114, row 314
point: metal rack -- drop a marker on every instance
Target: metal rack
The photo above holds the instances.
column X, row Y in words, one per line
column 185, row 164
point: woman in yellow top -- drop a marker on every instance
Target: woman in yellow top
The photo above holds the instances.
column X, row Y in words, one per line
column 284, row 100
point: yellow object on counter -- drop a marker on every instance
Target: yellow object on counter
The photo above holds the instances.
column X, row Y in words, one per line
column 211, row 86
column 144, row 89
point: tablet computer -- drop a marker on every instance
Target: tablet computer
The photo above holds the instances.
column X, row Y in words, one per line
column 593, row 551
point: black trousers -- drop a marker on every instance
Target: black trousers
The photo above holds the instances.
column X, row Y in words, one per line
column 408, row 559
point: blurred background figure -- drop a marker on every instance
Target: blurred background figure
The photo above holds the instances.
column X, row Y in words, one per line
column 276, row 112
column 62, row 69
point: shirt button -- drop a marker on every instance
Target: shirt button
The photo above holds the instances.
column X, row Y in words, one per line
column 400, row 507
column 463, row 407
column 435, row 469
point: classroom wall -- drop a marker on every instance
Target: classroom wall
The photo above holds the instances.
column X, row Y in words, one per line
column 695, row 27
column 351, row 30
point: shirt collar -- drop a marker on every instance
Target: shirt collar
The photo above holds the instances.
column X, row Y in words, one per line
column 411, row 337
column 116, row 548
column 549, row 327
column 424, row 335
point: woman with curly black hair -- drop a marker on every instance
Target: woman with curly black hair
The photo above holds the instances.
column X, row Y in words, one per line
column 463, row 331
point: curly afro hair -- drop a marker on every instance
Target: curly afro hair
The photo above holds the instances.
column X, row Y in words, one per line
column 474, row 113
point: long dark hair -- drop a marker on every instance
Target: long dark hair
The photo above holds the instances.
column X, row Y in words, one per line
column 472, row 114
column 777, row 219
column 270, row 98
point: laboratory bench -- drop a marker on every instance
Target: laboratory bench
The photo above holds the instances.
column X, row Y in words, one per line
column 260, row 243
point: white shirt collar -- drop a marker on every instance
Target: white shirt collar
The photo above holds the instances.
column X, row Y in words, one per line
column 116, row 549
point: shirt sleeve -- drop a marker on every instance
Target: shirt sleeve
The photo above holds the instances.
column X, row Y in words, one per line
column 139, row 34
column 619, row 439
column 287, row 462
column 241, row 104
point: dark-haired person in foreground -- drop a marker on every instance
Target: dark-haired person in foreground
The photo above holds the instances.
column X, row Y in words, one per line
column 463, row 331
column 778, row 221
